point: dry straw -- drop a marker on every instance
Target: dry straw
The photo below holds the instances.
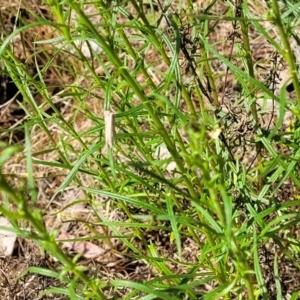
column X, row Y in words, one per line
column 109, row 121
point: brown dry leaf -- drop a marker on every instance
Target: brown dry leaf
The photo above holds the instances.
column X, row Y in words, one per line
column 7, row 238
column 87, row 249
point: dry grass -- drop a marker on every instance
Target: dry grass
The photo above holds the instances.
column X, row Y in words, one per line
column 70, row 210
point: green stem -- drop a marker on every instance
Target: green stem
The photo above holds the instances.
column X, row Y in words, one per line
column 140, row 94
column 287, row 50
column 247, row 47
column 46, row 240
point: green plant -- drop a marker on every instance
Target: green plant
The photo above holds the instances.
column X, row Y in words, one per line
column 174, row 168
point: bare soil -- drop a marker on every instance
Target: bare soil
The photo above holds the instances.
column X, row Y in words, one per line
column 14, row 284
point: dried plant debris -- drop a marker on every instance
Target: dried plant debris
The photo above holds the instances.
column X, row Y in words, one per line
column 17, row 283
column 7, row 238
column 29, row 49
column 277, row 268
column 76, row 223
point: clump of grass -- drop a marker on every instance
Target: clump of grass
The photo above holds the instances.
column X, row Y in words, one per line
column 169, row 164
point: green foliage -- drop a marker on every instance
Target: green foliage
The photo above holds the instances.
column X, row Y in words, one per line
column 172, row 166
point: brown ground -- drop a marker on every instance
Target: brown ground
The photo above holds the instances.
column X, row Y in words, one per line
column 109, row 264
